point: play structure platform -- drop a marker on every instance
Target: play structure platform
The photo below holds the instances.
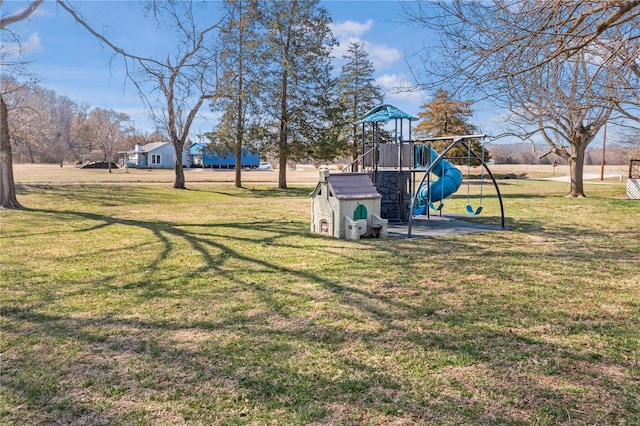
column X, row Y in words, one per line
column 438, row 226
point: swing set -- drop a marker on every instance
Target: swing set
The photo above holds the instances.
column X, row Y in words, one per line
column 470, row 210
column 435, row 194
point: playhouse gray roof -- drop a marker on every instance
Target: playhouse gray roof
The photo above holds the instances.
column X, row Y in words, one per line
column 351, row 186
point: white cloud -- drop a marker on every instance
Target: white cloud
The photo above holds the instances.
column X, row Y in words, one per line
column 18, row 49
column 382, row 56
column 399, row 88
column 348, row 29
column 32, row 43
column 341, row 49
column 348, row 32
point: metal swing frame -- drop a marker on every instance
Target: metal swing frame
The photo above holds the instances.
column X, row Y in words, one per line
column 456, row 140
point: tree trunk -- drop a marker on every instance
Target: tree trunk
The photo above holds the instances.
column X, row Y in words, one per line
column 238, row 182
column 179, row 182
column 282, row 143
column 282, row 170
column 239, row 129
column 239, row 103
column 355, row 149
column 32, row 158
column 7, row 184
column 576, row 170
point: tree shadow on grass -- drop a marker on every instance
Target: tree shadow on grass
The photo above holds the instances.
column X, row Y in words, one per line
column 108, row 195
column 310, row 345
column 251, row 369
column 260, row 192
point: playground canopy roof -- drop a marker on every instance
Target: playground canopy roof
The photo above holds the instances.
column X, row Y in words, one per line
column 384, row 113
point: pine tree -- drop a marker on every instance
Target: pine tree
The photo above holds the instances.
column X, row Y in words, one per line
column 444, row 116
column 357, row 89
column 299, row 45
column 327, row 134
column 238, row 85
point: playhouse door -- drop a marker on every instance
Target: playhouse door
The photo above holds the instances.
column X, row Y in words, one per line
column 360, row 212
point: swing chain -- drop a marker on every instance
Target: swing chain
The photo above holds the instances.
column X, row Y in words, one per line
column 470, row 209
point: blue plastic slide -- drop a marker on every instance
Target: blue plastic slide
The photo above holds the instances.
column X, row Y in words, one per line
column 449, row 180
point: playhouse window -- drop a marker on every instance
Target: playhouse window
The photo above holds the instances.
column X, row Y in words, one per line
column 360, row 212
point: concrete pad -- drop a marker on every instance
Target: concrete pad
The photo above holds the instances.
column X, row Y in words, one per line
column 438, row 226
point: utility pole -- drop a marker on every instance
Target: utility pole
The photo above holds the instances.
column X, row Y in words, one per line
column 604, row 147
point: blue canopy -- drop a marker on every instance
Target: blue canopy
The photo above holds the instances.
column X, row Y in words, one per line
column 384, row 113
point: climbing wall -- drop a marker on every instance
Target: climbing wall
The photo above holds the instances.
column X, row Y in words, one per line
column 396, row 200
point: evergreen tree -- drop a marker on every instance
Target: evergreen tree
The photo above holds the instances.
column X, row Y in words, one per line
column 444, row 116
column 238, row 86
column 329, row 140
column 357, row 89
column 299, row 44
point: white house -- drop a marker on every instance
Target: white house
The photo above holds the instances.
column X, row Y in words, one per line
column 155, row 155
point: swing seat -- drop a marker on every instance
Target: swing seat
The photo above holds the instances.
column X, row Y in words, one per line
column 419, row 210
column 473, row 212
column 434, row 207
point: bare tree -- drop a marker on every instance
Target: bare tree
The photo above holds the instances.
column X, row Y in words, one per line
column 42, row 123
column 563, row 68
column 183, row 77
column 22, row 118
column 8, row 197
column 7, row 183
column 503, row 154
column 62, row 111
column 186, row 76
column 104, row 128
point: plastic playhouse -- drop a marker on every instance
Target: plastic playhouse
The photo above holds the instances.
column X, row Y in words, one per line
column 347, row 205
column 393, row 179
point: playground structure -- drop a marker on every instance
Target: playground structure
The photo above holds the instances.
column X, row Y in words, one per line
column 401, row 168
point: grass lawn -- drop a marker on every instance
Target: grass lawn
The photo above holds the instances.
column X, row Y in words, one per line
column 141, row 304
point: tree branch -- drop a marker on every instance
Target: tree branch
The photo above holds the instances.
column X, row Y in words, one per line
column 102, row 38
column 8, row 20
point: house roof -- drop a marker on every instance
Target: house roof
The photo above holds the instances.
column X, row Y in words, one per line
column 153, row 146
column 148, row 147
column 197, row 148
column 350, row 186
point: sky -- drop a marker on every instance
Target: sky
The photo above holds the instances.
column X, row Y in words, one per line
column 72, row 62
